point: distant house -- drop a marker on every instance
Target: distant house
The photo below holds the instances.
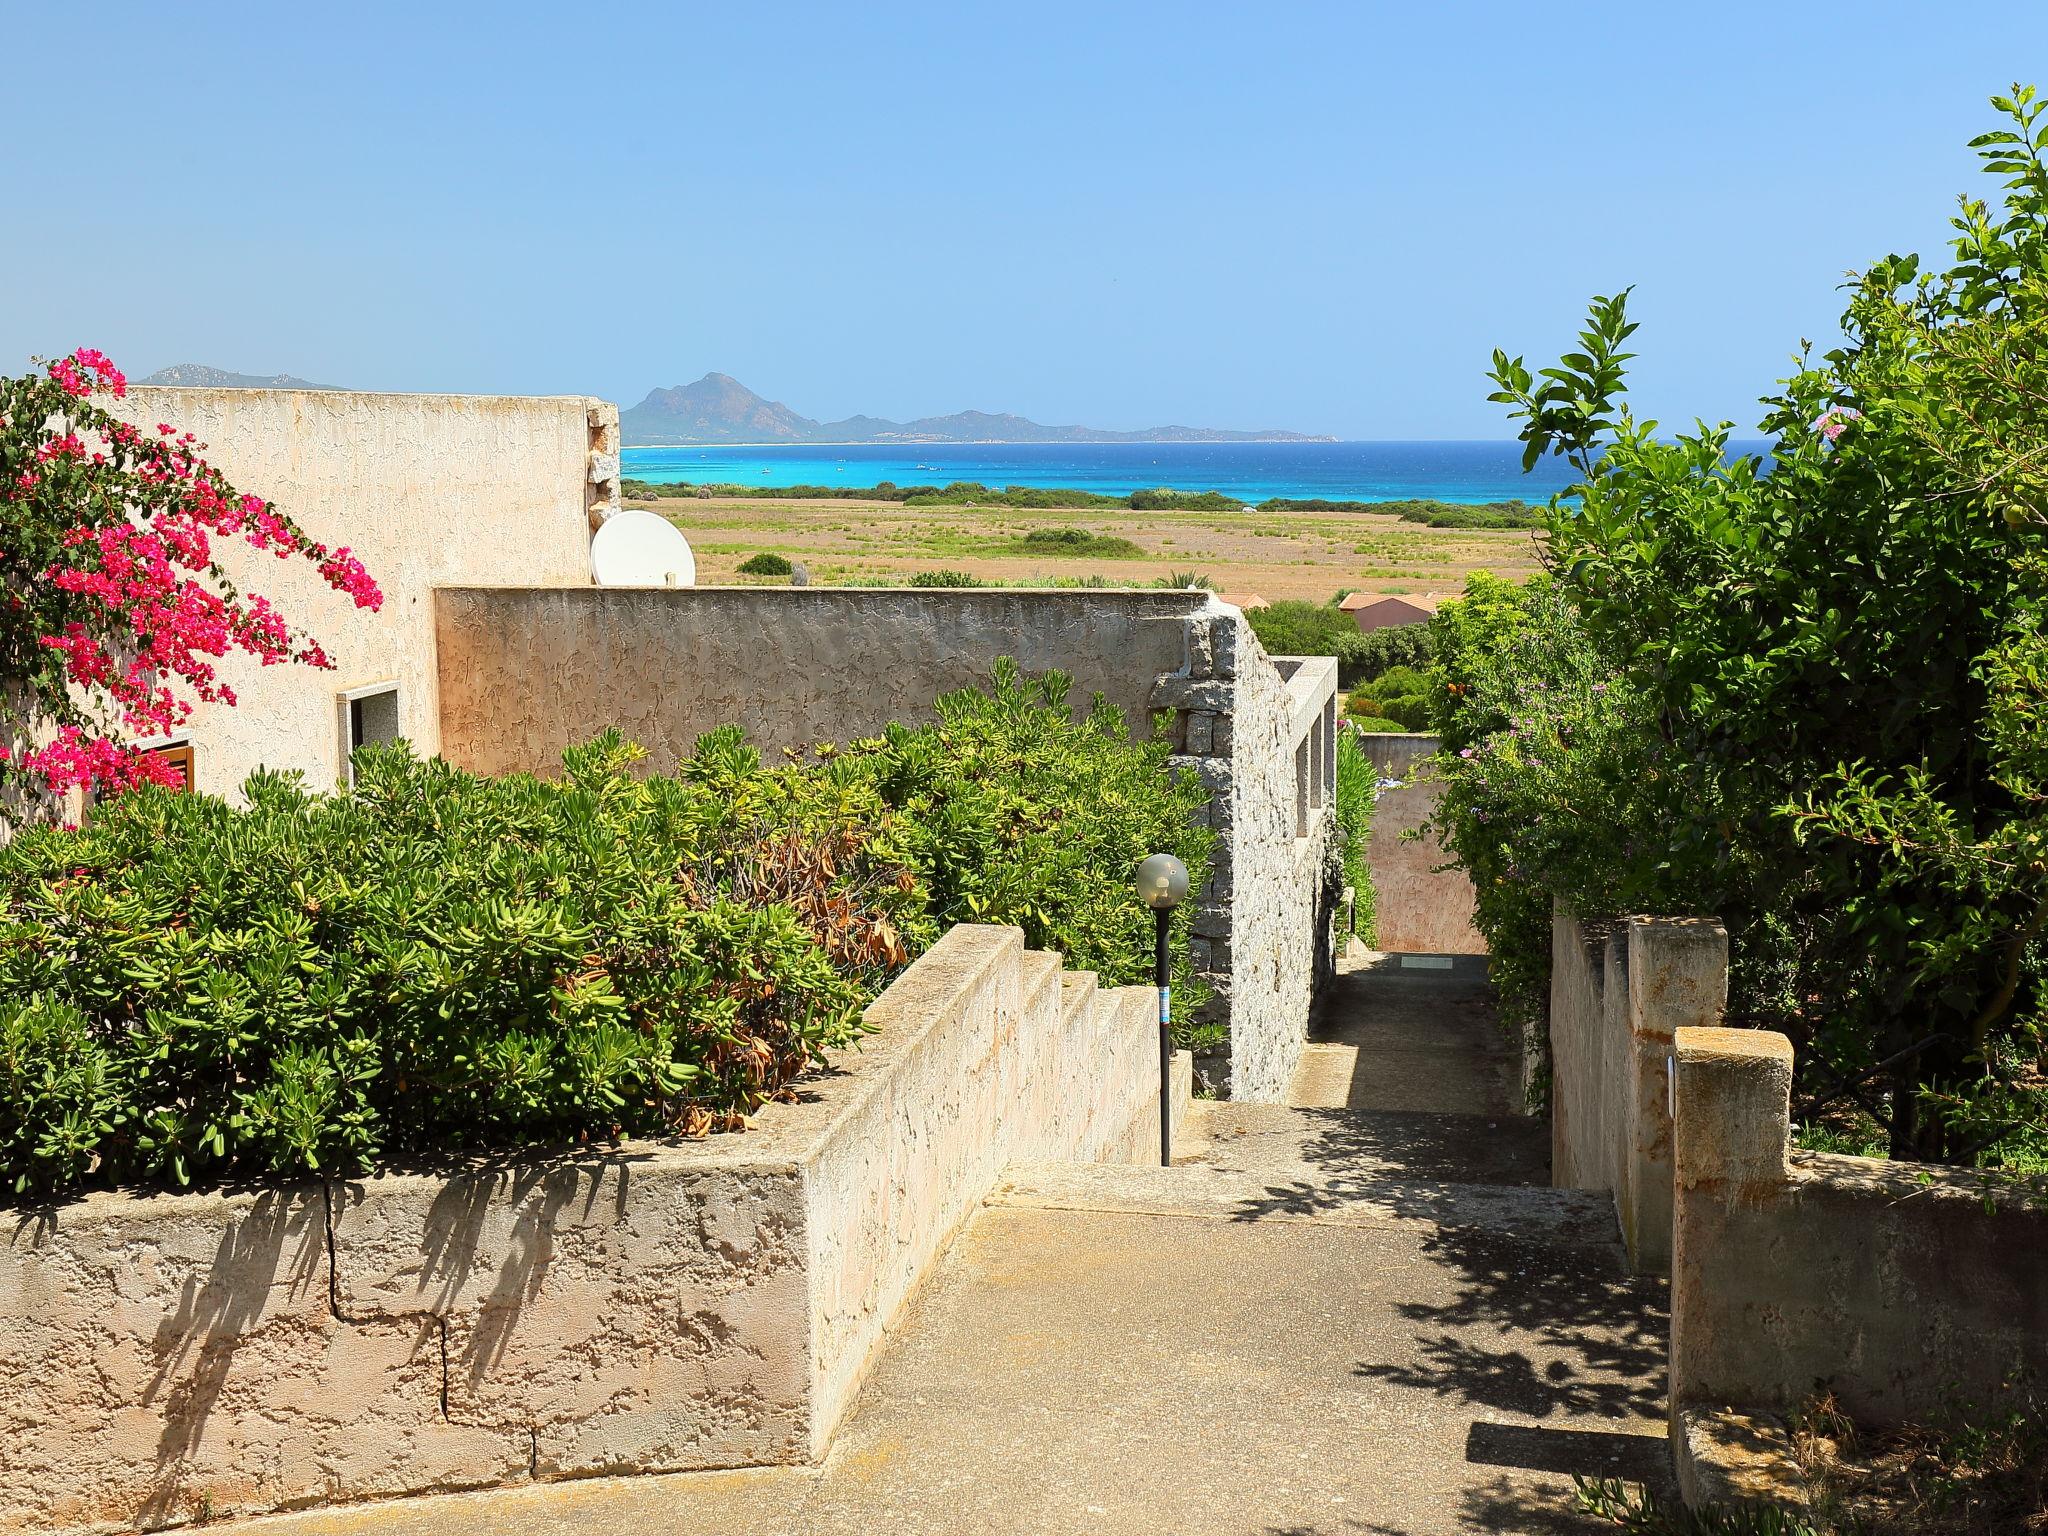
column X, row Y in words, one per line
column 1383, row 610
column 1243, row 602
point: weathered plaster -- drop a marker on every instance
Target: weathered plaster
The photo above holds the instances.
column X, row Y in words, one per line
column 659, row 1307
column 1420, row 907
column 1900, row 1288
column 426, row 489
column 1618, row 993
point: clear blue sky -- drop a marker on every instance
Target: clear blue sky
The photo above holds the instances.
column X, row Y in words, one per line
column 1312, row 216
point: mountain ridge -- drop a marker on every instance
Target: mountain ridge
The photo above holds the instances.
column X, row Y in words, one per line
column 202, row 376
column 718, row 409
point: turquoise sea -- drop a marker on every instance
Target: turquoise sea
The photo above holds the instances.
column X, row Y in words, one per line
column 1391, row 471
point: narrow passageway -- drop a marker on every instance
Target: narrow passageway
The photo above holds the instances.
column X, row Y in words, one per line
column 1361, row 1312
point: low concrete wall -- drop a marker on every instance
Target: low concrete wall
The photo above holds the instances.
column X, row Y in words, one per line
column 427, row 489
column 525, row 673
column 1899, row 1288
column 1420, row 908
column 1618, row 993
column 665, row 1306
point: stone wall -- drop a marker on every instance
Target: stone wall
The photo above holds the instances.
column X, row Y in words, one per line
column 665, row 1306
column 1900, row 1288
column 427, row 489
column 526, row 673
column 1422, row 909
column 1618, row 993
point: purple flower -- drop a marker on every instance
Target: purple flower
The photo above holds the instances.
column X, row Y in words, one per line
column 1466, row 753
column 1834, row 421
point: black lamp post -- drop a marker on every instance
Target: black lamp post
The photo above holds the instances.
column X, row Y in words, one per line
column 1162, row 882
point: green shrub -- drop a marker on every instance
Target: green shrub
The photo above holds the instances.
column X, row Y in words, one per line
column 1078, row 543
column 1362, row 704
column 1358, row 789
column 765, row 564
column 1379, row 725
column 1364, row 655
column 1412, row 710
column 944, row 579
column 1293, row 628
column 432, row 961
column 1165, row 499
column 1401, row 680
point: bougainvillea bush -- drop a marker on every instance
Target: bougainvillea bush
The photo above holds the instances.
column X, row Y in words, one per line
column 432, row 962
column 114, row 610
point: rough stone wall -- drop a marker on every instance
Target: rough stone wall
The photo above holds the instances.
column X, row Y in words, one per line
column 666, row 1306
column 1618, row 994
column 427, row 489
column 1902, row 1289
column 1421, row 908
column 1261, row 734
column 526, row 673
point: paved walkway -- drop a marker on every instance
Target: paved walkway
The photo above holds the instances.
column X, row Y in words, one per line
column 1362, row 1312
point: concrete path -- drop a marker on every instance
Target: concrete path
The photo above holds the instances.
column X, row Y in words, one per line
column 1363, row 1312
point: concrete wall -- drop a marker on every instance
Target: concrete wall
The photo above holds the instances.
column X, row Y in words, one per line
column 526, row 673
column 1618, row 993
column 427, row 489
column 1421, row 910
column 665, row 1306
column 1899, row 1288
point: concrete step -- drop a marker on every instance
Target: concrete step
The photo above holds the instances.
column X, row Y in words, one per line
column 1306, row 1193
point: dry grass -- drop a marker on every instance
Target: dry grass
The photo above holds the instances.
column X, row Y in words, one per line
column 1306, row 555
column 1986, row 1477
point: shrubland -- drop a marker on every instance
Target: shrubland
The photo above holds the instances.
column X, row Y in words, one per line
column 432, row 963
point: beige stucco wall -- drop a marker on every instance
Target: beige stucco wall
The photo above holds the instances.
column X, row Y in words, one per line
column 1421, row 909
column 1903, row 1289
column 665, row 1306
column 427, row 489
column 525, row 674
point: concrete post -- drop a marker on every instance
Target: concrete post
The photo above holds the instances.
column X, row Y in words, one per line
column 1732, row 1092
column 1677, row 978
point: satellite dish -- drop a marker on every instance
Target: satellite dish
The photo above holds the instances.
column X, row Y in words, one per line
column 638, row 549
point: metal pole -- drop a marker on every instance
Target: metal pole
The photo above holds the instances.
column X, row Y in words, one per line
column 1162, row 978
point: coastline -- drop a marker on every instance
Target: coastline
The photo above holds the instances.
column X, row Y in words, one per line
column 1009, row 442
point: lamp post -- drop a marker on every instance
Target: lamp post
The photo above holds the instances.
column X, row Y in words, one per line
column 1162, row 882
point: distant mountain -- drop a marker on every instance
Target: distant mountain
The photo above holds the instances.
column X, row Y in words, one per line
column 199, row 376
column 720, row 409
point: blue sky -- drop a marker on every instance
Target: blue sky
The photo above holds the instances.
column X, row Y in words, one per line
column 1320, row 217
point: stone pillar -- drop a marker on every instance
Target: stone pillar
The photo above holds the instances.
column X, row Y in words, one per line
column 1677, row 978
column 1732, row 1093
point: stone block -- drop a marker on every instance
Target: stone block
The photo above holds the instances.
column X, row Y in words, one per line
column 1199, row 732
column 1177, row 692
column 1224, row 644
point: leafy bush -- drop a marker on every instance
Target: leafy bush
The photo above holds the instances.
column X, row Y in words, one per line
column 1434, row 514
column 1831, row 669
column 945, row 579
column 1166, row 499
column 1078, row 543
column 1364, row 656
column 432, row 961
column 1412, row 710
column 1361, row 703
column 1293, row 628
column 765, row 564
column 1377, row 725
column 1358, row 791
column 1400, row 681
